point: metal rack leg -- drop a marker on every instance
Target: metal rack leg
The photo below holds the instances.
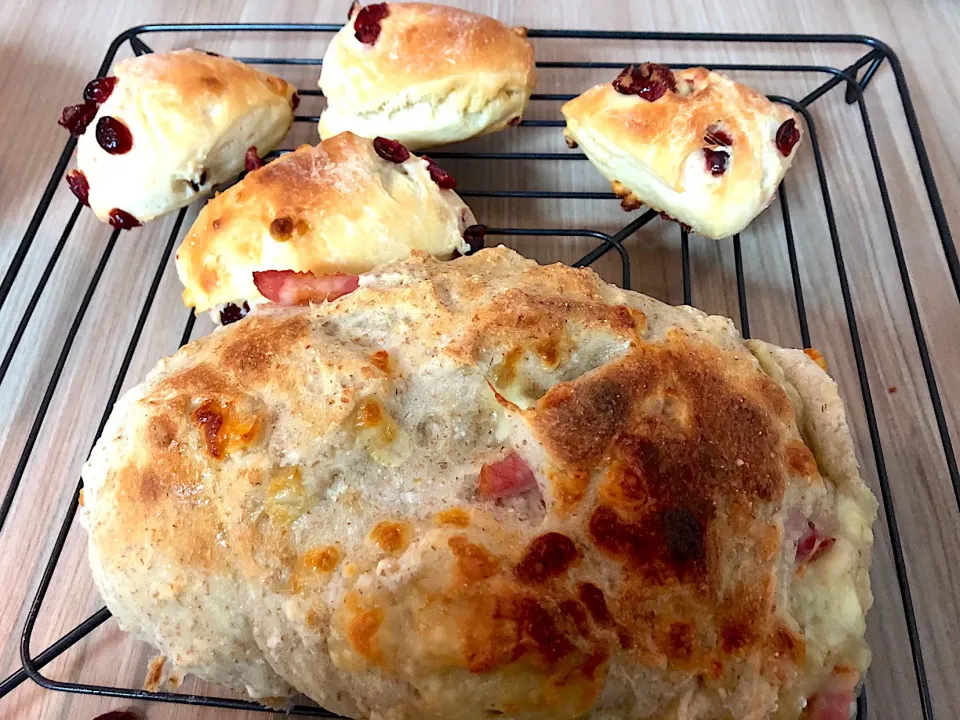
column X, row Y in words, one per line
column 855, row 89
column 685, row 266
column 56, row 649
column 741, row 288
column 139, row 46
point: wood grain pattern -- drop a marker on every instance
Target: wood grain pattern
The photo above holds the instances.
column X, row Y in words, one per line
column 49, row 50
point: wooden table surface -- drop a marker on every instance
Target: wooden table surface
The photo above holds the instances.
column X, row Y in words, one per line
column 49, row 50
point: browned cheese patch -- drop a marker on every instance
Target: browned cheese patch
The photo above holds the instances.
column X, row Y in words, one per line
column 506, row 371
column 322, row 559
column 596, row 603
column 474, row 562
column 154, row 678
column 369, row 414
column 362, row 624
column 497, row 624
column 817, row 357
column 381, row 360
column 224, row 428
column 391, row 537
column 576, row 612
column 547, row 556
column 569, row 486
column 553, row 641
column 801, row 461
column 455, row 517
column 315, row 565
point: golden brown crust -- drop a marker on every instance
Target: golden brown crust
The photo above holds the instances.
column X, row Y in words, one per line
column 694, row 479
column 200, row 79
column 677, row 124
column 253, row 355
column 154, row 679
column 348, row 210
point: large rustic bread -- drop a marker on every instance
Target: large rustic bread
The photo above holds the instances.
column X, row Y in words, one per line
column 313, row 499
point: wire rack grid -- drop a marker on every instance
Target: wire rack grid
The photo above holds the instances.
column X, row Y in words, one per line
column 854, row 79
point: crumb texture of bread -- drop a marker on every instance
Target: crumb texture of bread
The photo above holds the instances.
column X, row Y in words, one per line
column 335, row 207
column 192, row 116
column 434, row 75
column 654, row 152
column 483, row 488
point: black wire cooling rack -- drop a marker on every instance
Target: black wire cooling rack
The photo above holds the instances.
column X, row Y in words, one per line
column 854, row 78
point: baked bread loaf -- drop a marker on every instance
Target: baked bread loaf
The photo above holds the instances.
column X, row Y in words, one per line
column 488, row 488
column 706, row 151
column 424, row 74
column 166, row 128
column 344, row 206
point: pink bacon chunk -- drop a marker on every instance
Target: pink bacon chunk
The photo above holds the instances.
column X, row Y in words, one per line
column 288, row 287
column 812, row 544
column 504, row 478
column 835, row 698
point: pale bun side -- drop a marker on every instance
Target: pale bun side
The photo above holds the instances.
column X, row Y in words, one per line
column 433, row 75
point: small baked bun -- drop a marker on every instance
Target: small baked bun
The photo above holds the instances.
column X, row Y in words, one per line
column 302, row 227
column 693, row 144
column 167, row 127
column 424, row 74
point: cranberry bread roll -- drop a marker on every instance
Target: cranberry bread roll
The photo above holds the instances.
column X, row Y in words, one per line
column 424, row 74
column 487, row 488
column 693, row 144
column 166, row 128
column 302, row 227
